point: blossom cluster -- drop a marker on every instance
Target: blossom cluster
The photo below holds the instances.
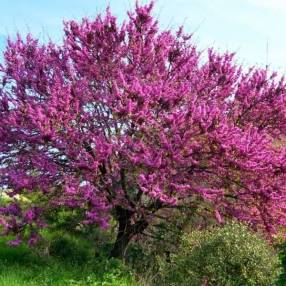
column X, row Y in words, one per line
column 132, row 116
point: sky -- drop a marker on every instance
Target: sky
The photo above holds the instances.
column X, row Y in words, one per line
column 254, row 29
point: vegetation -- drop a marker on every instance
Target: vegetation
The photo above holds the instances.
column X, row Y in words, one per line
column 123, row 122
column 125, row 157
column 229, row 255
column 21, row 266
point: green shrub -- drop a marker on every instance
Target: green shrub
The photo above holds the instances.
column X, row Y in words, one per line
column 65, row 219
column 226, row 256
column 69, row 248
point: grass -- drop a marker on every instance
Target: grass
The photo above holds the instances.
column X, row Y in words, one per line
column 72, row 263
column 19, row 266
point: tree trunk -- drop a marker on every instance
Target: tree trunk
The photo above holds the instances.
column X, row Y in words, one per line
column 126, row 231
column 120, row 245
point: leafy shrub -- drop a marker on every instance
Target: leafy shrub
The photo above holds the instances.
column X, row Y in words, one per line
column 65, row 219
column 146, row 254
column 69, row 248
column 230, row 255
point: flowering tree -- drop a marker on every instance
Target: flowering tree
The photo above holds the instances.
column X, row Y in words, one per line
column 127, row 120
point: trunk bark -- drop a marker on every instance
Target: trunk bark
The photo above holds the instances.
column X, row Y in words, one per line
column 120, row 245
column 126, row 231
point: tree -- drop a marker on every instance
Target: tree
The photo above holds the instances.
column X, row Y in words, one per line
column 127, row 120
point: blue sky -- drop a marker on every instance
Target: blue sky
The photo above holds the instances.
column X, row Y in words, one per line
column 252, row 28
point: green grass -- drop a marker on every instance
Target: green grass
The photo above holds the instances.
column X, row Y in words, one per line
column 21, row 267
column 18, row 266
column 72, row 263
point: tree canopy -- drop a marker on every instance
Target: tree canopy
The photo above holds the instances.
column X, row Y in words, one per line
column 128, row 119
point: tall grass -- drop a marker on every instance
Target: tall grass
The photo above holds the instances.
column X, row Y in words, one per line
column 20, row 266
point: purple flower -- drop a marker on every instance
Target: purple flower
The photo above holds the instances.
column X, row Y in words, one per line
column 128, row 119
column 14, row 242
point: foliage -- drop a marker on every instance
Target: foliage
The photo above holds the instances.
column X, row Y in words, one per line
column 229, row 255
column 108, row 273
column 154, row 248
column 125, row 120
column 20, row 267
column 69, row 248
column 159, row 241
column 64, row 219
column 281, row 247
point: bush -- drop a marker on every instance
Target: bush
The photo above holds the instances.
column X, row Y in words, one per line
column 147, row 254
column 69, row 248
column 230, row 255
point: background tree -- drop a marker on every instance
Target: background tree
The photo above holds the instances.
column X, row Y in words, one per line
column 127, row 120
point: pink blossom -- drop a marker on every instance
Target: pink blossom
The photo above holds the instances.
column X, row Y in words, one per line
column 130, row 117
